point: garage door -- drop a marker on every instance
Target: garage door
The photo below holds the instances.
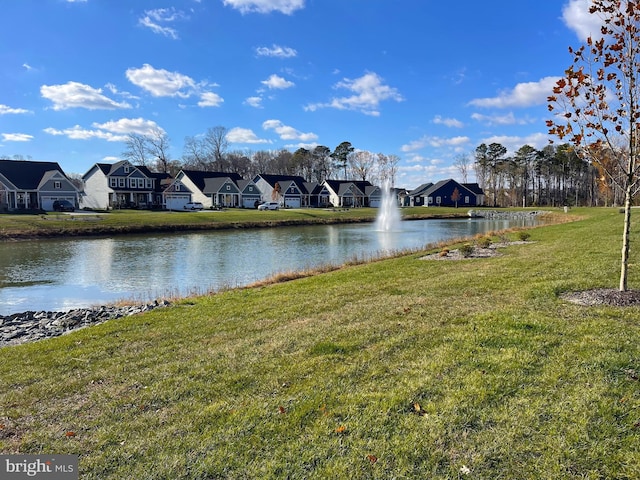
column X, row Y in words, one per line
column 177, row 202
column 47, row 202
column 292, row 202
column 250, row 202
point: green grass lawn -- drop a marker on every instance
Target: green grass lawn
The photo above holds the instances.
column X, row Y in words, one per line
column 399, row 368
column 138, row 221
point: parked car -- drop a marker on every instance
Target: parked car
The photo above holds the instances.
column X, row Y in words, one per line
column 63, row 206
column 269, row 206
column 193, row 206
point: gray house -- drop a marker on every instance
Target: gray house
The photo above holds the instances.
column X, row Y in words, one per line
column 29, row 185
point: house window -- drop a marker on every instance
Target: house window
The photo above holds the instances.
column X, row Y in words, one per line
column 141, row 183
column 429, row 200
column 228, row 187
column 438, row 200
column 57, row 185
column 113, row 182
column 126, row 169
column 149, row 183
column 250, row 188
column 121, row 182
column 466, row 199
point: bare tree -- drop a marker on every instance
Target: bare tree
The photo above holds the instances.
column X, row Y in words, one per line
column 598, row 107
column 158, row 148
column 216, row 144
column 194, row 155
column 137, row 149
column 361, row 163
column 463, row 163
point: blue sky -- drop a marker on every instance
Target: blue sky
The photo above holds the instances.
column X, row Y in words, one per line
column 426, row 80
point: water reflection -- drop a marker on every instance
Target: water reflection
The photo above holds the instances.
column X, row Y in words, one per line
column 65, row 274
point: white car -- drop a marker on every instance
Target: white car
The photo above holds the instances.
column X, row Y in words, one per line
column 193, row 206
column 269, row 206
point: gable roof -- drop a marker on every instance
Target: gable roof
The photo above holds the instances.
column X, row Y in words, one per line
column 27, row 175
column 198, row 177
column 273, row 179
column 421, row 188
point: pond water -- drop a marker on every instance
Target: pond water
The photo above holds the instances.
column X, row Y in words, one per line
column 62, row 274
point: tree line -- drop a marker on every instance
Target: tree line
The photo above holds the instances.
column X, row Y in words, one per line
column 554, row 176
column 210, row 152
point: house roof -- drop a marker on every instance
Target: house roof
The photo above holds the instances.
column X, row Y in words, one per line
column 26, row 175
column 213, row 185
column 198, row 177
column 474, row 187
column 342, row 186
column 273, row 179
column 421, row 188
column 441, row 183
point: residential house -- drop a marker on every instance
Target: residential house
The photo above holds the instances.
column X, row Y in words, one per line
column 353, row 193
column 249, row 193
column 316, row 195
column 449, row 193
column 122, row 185
column 289, row 190
column 212, row 189
column 29, row 185
column 417, row 197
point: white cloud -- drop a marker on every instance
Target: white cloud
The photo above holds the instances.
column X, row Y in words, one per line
column 288, row 133
column 16, row 137
column 523, row 95
column 368, row 90
column 276, row 51
column 265, row 6
column 449, row 122
column 434, row 142
column 160, row 82
column 255, row 102
column 274, row 82
column 110, row 158
column 78, row 133
column 154, row 20
column 243, row 135
column 78, row 95
column 113, row 131
column 210, row 99
column 576, row 17
column 5, row 110
column 508, row 119
column 27, row 67
column 129, row 125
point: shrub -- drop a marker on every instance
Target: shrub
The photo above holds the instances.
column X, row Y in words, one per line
column 466, row 250
column 524, row 236
column 444, row 252
column 484, row 242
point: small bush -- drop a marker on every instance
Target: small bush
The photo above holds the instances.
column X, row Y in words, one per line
column 484, row 242
column 524, row 236
column 466, row 250
column 444, row 252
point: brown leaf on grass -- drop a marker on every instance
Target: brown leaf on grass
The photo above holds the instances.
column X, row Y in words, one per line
column 416, row 407
column 282, row 410
column 70, row 434
column 372, row 458
column 341, row 429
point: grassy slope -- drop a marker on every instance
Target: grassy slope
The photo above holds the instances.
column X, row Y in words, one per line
column 118, row 221
column 401, row 368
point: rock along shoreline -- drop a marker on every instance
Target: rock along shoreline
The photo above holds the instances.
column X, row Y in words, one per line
column 31, row 326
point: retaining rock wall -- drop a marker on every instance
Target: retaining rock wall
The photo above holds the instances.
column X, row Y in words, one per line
column 31, row 326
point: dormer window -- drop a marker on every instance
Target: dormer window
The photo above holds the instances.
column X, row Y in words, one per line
column 57, row 185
